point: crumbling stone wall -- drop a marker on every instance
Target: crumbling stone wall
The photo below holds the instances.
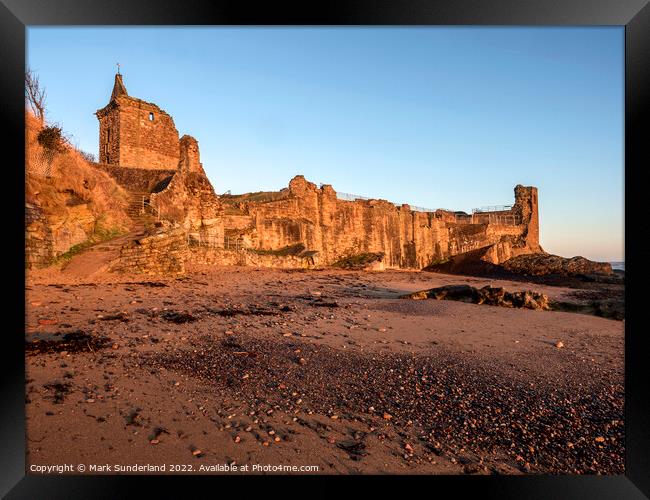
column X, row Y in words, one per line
column 148, row 136
column 336, row 228
column 162, row 253
column 189, row 198
column 38, row 237
column 526, row 206
column 225, row 257
column 137, row 179
column 109, row 134
column 140, row 135
column 136, row 133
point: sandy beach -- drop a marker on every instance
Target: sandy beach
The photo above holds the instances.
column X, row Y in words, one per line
column 318, row 372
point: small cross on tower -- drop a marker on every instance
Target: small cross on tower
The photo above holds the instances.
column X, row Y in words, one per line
column 118, row 68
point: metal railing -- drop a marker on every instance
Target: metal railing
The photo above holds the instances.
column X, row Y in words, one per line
column 489, row 218
column 354, row 197
column 233, row 243
column 215, row 241
column 204, row 240
column 140, row 205
column 492, row 208
column 147, row 205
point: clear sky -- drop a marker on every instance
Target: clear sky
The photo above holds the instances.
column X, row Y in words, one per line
column 435, row 117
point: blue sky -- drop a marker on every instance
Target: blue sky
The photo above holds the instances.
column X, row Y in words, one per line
column 435, row 117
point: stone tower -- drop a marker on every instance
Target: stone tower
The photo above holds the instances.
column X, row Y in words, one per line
column 136, row 133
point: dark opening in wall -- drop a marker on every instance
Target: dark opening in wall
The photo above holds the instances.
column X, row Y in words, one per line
column 150, row 117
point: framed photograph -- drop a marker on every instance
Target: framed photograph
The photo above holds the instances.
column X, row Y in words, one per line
column 385, row 241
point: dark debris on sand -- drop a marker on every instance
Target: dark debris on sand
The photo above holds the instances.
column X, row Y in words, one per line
column 564, row 426
column 178, row 317
column 72, row 342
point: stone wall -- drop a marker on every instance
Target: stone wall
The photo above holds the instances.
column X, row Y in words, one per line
column 189, row 198
column 38, row 237
column 137, row 137
column 526, row 206
column 409, row 239
column 138, row 179
column 136, row 133
column 224, row 257
column 161, row 253
column 109, row 134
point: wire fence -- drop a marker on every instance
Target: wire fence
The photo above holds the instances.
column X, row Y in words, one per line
column 488, row 218
column 40, row 164
column 354, row 197
column 492, row 208
column 484, row 215
column 216, row 241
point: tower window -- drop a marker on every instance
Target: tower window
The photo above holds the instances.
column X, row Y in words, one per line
column 150, row 117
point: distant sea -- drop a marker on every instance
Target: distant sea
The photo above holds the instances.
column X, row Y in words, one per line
column 618, row 265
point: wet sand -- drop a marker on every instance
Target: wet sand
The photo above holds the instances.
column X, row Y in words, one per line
column 251, row 366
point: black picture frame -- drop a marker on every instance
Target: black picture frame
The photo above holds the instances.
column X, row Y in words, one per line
column 16, row 15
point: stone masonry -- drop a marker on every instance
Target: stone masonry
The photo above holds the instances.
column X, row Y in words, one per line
column 139, row 147
column 334, row 229
column 136, row 133
column 163, row 252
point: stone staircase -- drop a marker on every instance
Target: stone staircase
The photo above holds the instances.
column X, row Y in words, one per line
column 98, row 257
column 140, row 209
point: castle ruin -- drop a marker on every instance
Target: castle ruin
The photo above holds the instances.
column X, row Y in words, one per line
column 299, row 226
column 136, row 133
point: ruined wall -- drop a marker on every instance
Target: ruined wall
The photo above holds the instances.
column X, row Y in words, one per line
column 145, row 142
column 189, row 198
column 137, row 136
column 526, row 206
column 409, row 239
column 38, row 237
column 109, row 134
column 136, row 133
column 224, row 257
column 138, row 179
column 157, row 254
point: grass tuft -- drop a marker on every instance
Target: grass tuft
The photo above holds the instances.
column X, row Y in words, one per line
column 359, row 261
column 283, row 252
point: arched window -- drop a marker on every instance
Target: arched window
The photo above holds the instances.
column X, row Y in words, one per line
column 150, row 117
